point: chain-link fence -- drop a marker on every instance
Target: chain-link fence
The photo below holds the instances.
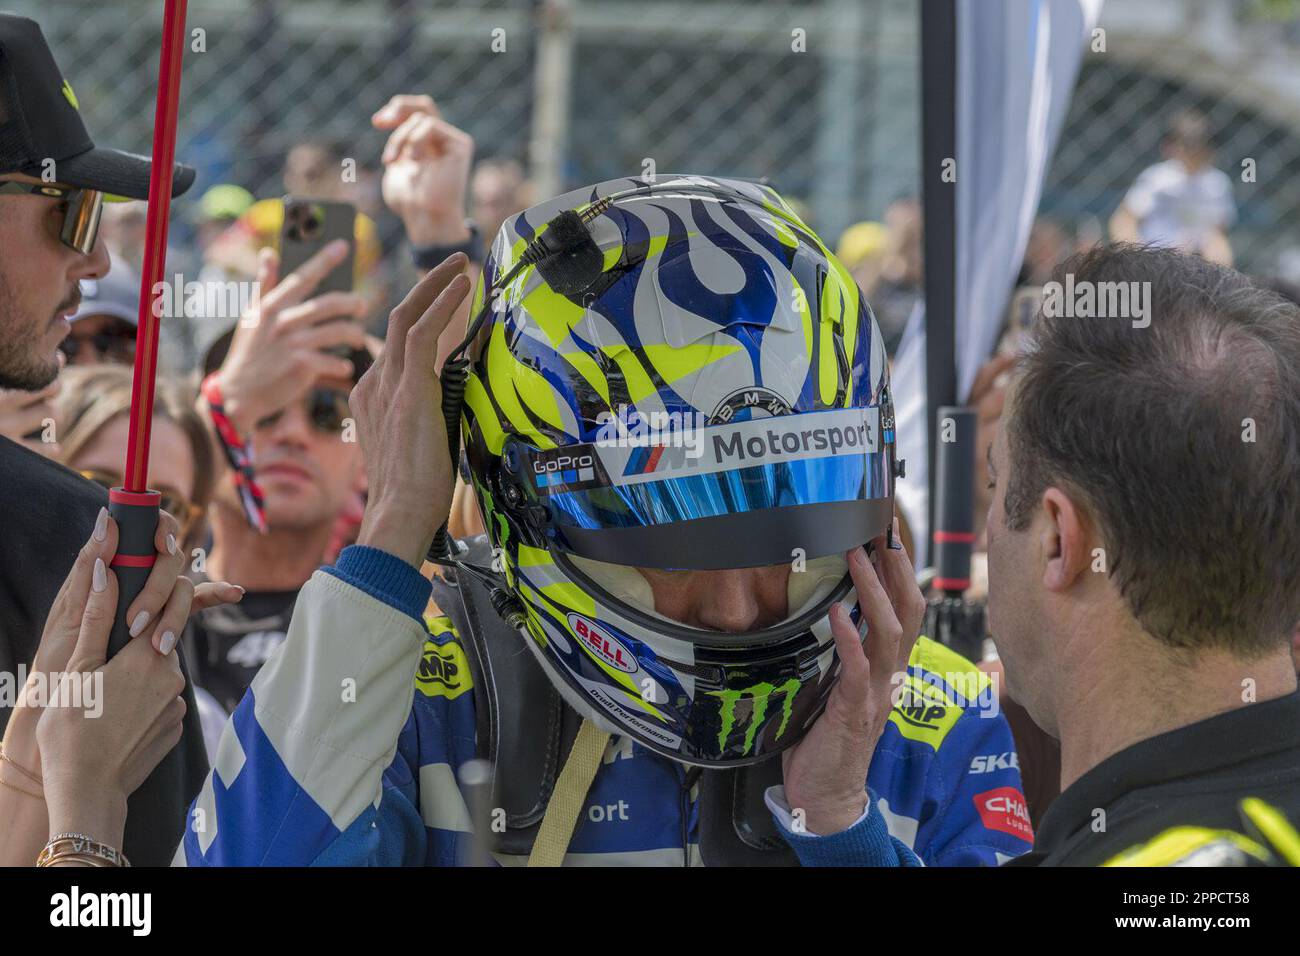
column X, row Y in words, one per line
column 819, row 95
column 1238, row 63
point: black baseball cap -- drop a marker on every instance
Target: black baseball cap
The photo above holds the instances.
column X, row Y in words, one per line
column 116, row 295
column 40, row 120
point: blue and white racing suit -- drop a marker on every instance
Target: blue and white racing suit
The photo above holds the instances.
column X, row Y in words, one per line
column 345, row 750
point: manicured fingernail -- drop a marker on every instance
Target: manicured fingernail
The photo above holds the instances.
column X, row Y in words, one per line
column 138, row 624
column 166, row 642
column 236, row 587
column 171, row 544
column 101, row 524
column 98, row 577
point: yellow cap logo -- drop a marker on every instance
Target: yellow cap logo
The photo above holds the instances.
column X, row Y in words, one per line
column 70, row 96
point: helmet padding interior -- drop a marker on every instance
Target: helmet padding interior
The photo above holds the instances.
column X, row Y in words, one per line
column 804, row 589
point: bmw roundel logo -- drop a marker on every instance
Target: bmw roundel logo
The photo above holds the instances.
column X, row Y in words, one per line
column 751, row 402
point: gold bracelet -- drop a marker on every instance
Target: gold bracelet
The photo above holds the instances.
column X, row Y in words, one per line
column 61, row 858
column 78, row 846
column 14, row 786
column 34, row 778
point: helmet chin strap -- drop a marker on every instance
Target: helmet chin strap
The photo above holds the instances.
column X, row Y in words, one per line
column 570, row 793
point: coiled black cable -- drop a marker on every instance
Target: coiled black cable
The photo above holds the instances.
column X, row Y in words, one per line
column 455, row 371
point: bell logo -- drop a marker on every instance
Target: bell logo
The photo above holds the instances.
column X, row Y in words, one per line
column 1004, row 809
column 603, row 645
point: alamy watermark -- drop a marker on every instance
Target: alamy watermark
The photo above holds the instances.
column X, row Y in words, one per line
column 629, row 428
column 1098, row 300
column 205, row 299
column 927, row 699
column 82, row 690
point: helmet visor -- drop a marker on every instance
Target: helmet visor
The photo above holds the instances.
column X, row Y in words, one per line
column 735, row 495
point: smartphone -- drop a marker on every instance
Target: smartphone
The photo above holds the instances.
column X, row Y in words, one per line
column 1026, row 300
column 309, row 226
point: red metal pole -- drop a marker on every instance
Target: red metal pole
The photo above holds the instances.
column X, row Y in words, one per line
column 155, row 245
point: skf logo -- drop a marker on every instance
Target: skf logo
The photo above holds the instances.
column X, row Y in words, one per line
column 987, row 763
column 70, row 96
column 1004, row 809
column 603, row 645
column 444, row 671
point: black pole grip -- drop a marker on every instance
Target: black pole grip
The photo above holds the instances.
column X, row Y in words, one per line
column 136, row 514
column 954, row 507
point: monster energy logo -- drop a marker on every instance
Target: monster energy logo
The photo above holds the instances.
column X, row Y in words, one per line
column 759, row 695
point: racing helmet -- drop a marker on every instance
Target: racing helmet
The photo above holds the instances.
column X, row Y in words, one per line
column 694, row 383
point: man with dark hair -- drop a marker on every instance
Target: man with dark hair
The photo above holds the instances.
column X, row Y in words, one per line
column 53, row 182
column 1144, row 561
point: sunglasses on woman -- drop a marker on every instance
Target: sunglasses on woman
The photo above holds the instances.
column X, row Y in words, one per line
column 81, row 210
column 116, row 342
column 327, row 409
column 173, row 502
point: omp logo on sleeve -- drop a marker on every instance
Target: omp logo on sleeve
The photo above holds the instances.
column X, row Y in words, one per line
column 444, row 671
column 923, row 712
column 1004, row 810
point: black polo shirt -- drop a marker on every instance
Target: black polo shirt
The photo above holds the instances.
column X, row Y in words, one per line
column 1193, row 776
column 46, row 514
